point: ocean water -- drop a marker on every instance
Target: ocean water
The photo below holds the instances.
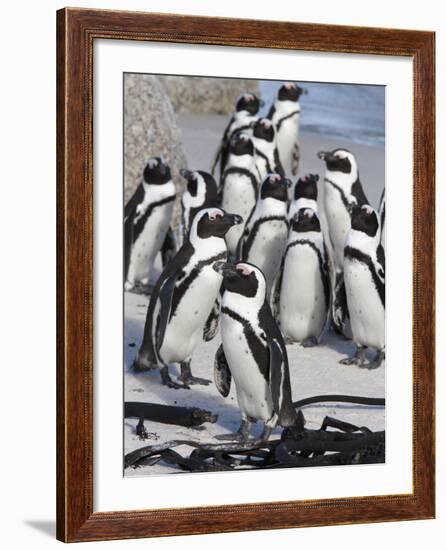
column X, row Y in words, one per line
column 350, row 111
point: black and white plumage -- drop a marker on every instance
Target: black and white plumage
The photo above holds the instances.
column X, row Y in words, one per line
column 304, row 195
column 264, row 239
column 382, row 217
column 364, row 275
column 184, row 297
column 252, row 353
column 265, row 143
column 284, row 114
column 342, row 190
column 201, row 192
column 239, row 187
column 302, row 291
column 243, row 119
column 147, row 218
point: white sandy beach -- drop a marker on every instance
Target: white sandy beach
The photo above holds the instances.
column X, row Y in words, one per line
column 313, row 371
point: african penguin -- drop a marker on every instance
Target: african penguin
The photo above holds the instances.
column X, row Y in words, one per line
column 246, row 109
column 267, row 155
column 253, row 352
column 304, row 194
column 285, row 113
column 183, row 298
column 382, row 217
column 201, row 192
column 342, row 190
column 147, row 217
column 303, row 291
column 364, row 273
column 239, row 186
column 264, row 239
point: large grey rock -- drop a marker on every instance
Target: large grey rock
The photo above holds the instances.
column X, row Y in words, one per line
column 193, row 94
column 150, row 129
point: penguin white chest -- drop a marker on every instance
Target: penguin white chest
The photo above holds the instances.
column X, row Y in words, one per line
column 367, row 314
column 253, row 393
column 303, row 310
column 238, row 198
column 338, row 220
column 149, row 243
column 287, row 138
column 185, row 328
column 268, row 247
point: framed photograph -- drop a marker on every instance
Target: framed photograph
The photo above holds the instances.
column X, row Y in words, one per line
column 245, row 275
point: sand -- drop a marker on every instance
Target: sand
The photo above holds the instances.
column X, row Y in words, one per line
column 313, row 371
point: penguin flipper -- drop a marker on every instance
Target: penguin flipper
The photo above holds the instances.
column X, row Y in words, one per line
column 165, row 298
column 275, row 293
column 222, row 373
column 169, row 247
column 129, row 217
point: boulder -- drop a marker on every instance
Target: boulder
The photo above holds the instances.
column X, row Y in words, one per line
column 194, row 94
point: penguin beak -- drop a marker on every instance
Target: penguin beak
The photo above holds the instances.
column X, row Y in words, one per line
column 326, row 156
column 227, row 269
column 233, row 219
column 186, row 174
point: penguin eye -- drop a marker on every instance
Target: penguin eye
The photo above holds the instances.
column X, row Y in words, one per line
column 214, row 214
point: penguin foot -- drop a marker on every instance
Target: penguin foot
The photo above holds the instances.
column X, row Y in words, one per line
column 191, row 380
column 357, row 359
column 167, row 380
column 310, row 342
column 379, row 358
column 188, row 379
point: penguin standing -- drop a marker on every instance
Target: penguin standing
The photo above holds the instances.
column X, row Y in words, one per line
column 201, row 192
column 304, row 194
column 253, row 353
column 147, row 218
column 264, row 239
column 364, row 272
column 342, row 191
column 246, row 109
column 183, row 298
column 382, row 217
column 284, row 114
column 303, row 285
column 239, row 186
column 267, row 155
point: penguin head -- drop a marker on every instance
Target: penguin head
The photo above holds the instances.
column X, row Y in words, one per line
column 305, row 220
column 156, row 171
column 213, row 222
column 199, row 178
column 241, row 144
column 306, row 187
column 290, row 91
column 242, row 278
column 365, row 220
column 248, row 102
column 264, row 129
column 275, row 187
column 339, row 160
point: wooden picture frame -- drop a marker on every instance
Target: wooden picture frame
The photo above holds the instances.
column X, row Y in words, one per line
column 76, row 31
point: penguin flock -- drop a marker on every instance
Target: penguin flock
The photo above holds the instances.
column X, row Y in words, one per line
column 261, row 256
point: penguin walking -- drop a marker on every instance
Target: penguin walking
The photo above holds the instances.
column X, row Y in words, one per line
column 183, row 298
column 267, row 155
column 240, row 182
column 303, row 287
column 304, row 195
column 147, row 218
column 201, row 192
column 382, row 217
column 342, row 191
column 253, row 353
column 265, row 236
column 364, row 271
column 243, row 119
column 284, row 114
